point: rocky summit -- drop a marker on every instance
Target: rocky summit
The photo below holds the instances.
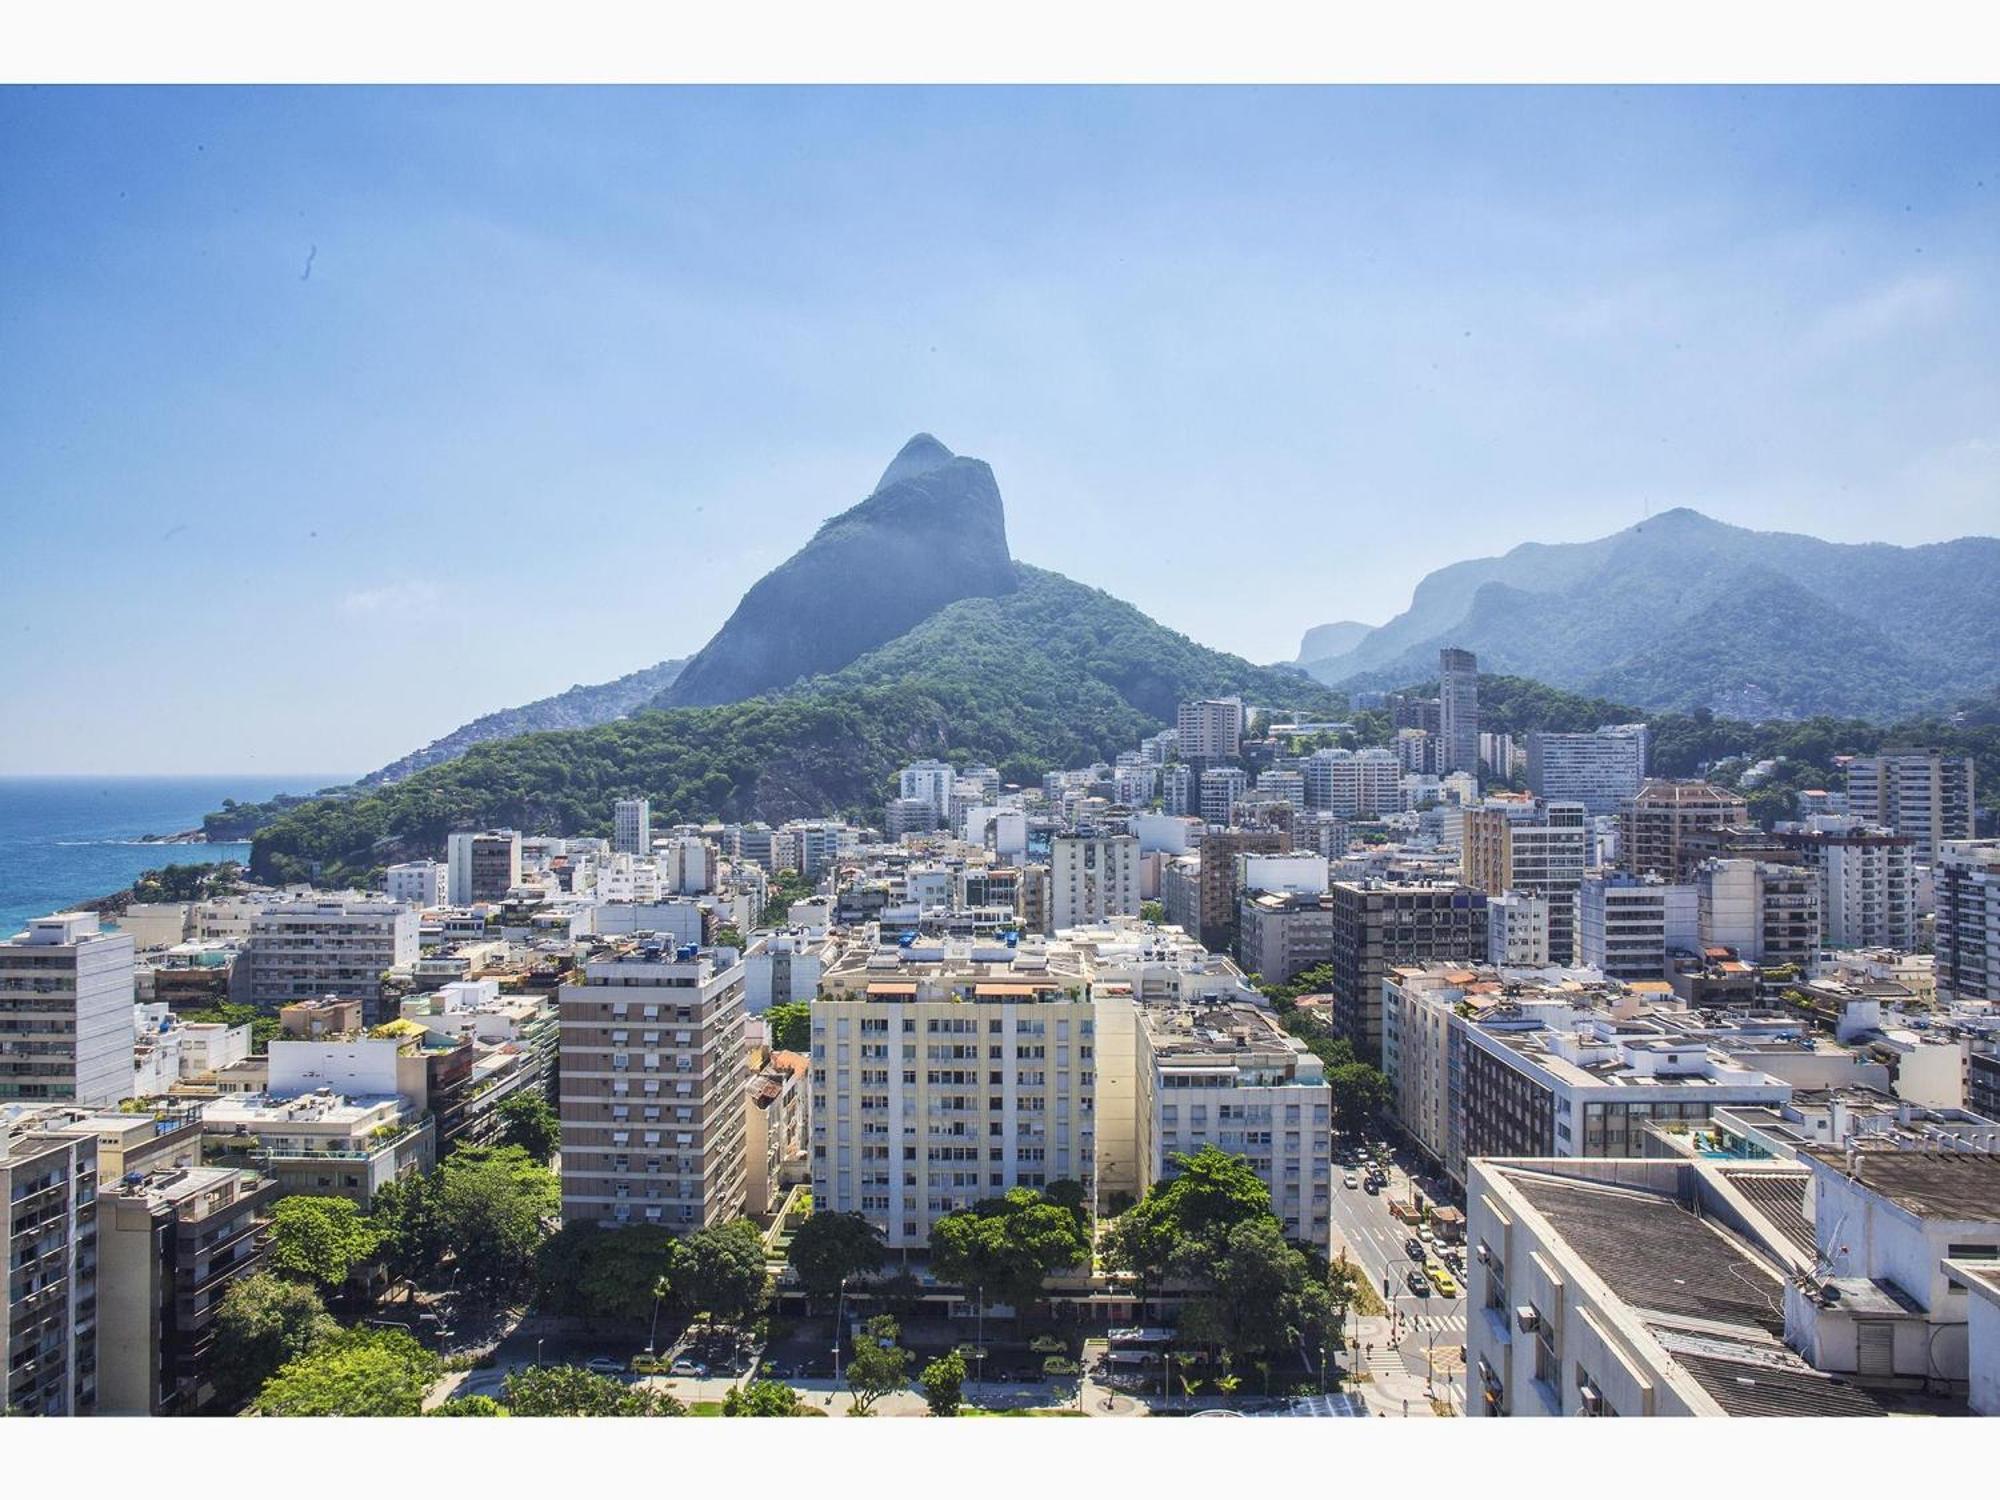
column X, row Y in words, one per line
column 932, row 532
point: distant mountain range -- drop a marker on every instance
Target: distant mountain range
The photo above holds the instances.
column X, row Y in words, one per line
column 1683, row 612
column 578, row 708
column 1324, row 641
column 1004, row 664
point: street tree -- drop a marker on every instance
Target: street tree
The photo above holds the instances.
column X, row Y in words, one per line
column 830, row 1247
column 469, row 1406
column 1186, row 1215
column 265, row 1322
column 571, row 1391
column 1008, row 1246
column 944, row 1384
column 356, row 1372
column 528, row 1121
column 319, row 1240
column 878, row 1367
column 409, row 1235
column 495, row 1206
column 763, row 1398
column 720, row 1271
column 604, row 1273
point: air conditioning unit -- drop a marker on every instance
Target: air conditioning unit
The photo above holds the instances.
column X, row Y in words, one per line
column 1528, row 1319
column 1483, row 1253
column 1593, row 1403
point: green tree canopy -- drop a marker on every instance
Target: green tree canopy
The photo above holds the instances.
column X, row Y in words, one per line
column 944, row 1384
column 763, row 1398
column 1263, row 1297
column 791, row 1026
column 571, row 1391
column 830, row 1247
column 265, row 1322
column 1008, row 1246
column 318, row 1239
column 720, row 1271
column 599, row 1271
column 1187, row 1214
column 494, row 1205
column 528, row 1121
column 878, row 1367
column 470, row 1406
column 356, row 1372
column 410, row 1236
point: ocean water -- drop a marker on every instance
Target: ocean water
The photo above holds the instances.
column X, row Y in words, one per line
column 65, row 839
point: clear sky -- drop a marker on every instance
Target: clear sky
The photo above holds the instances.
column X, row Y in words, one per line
column 330, row 419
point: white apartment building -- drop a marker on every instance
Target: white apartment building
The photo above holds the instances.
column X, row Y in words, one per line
column 1968, row 920
column 1222, row 787
column 48, row 1180
column 422, row 883
column 1867, row 882
column 653, row 1068
column 1517, row 930
column 1092, row 879
column 1600, row 769
column 632, row 826
column 945, row 1071
column 1211, row 729
column 66, row 996
column 1353, row 783
column 929, row 781
column 782, row 968
column 1925, row 794
column 302, row 950
column 1627, row 924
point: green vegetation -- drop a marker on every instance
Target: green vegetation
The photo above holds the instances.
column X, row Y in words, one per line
column 356, row 1372
column 622, row 1275
column 188, row 882
column 528, row 1120
column 489, row 1207
column 1152, row 911
column 1360, row 1091
column 786, row 887
column 570, row 1391
column 229, row 1013
column 1008, row 1246
column 319, row 1240
column 830, row 1247
column 719, row 1272
column 878, row 1367
column 791, row 1026
column 265, row 1322
column 764, row 1398
column 944, row 1384
column 470, row 1406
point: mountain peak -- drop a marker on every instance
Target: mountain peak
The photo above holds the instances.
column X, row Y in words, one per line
column 920, row 455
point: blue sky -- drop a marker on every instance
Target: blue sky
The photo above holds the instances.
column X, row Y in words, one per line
column 570, row 369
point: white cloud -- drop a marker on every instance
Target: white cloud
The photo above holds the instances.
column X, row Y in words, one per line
column 406, row 599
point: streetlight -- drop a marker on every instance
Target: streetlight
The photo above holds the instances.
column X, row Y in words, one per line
column 839, row 1307
column 538, row 1353
column 659, row 1291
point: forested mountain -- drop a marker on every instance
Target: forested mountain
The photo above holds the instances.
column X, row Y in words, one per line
column 1683, row 612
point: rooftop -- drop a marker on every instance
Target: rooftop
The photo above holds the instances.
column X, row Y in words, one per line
column 1957, row 1185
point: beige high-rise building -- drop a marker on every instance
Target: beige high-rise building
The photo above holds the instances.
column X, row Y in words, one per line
column 1654, row 825
column 653, row 1076
column 1922, row 793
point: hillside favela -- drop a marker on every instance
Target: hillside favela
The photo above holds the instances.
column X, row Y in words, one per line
column 944, row 988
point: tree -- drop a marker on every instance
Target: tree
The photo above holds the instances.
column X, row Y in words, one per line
column 1360, row 1092
column 469, row 1406
column 729, row 935
column 830, row 1247
column 357, row 1372
column 570, row 1391
column 1008, row 1246
column 410, row 1237
column 527, row 1121
column 878, row 1366
column 944, row 1384
column 1264, row 1295
column 319, row 1239
column 720, row 1271
column 762, row 1398
column 265, row 1322
column 791, row 1026
column 597, row 1271
column 1152, row 911
column 1188, row 1214
column 494, row 1204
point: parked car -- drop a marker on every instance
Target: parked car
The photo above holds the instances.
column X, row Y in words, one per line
column 604, row 1365
column 690, row 1367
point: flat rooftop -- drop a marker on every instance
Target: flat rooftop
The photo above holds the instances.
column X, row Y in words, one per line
column 1959, row 1185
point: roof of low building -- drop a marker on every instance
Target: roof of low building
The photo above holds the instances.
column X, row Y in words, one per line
column 1958, row 1185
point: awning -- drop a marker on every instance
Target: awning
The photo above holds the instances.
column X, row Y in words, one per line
column 882, row 987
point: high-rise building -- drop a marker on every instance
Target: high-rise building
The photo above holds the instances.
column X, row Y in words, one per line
column 1654, row 825
column 1626, row 926
column 653, row 1069
column 1091, row 879
column 632, row 826
column 1769, row 914
column 1379, row 924
column 1211, row 729
column 929, row 781
column 1222, row 787
column 1867, row 881
column 1517, row 930
column 484, row 866
column 48, row 1302
column 1542, row 848
column 304, row 950
column 1179, row 792
column 1922, row 793
column 1219, row 881
column 66, row 1031
column 1600, row 769
column 1458, row 709
column 422, row 883
column 1968, row 919
column 1353, row 784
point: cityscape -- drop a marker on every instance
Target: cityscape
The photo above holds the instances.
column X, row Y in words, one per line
column 946, row 989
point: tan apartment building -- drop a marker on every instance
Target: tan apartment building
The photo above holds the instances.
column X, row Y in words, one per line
column 1653, row 826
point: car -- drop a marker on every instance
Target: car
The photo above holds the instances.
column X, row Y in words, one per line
column 1425, row 1235
column 1442, row 1280
column 1414, row 1248
column 1374, row 1187
column 1419, row 1283
column 690, row 1367
column 603, row 1364
column 1353, row 1181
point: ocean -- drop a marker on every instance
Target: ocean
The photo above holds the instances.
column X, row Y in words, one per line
column 65, row 839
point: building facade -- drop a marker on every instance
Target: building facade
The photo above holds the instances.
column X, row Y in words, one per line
column 1922, row 793
column 1600, row 769
column 66, row 1030
column 1654, row 825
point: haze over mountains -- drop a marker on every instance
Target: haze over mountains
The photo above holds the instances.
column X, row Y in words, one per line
column 1684, row 612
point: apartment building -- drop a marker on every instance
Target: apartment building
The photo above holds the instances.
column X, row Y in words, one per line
column 1867, row 881
column 1768, row 914
column 1653, row 827
column 1353, row 783
column 1458, row 710
column 1627, row 925
column 1600, row 769
column 1542, row 848
column 1517, row 930
column 482, row 866
column 1222, row 787
column 48, row 1305
column 945, row 1071
column 66, row 993
column 1968, row 919
column 421, row 883
column 1281, row 934
column 653, row 1069
column 1092, row 879
column 777, row 1131
column 1230, row 1076
column 1218, row 882
column 321, row 1143
column 929, row 781
column 1380, row 924
column 170, row 1245
column 1922, row 793
column 302, row 950
column 1211, row 729
column 632, row 826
